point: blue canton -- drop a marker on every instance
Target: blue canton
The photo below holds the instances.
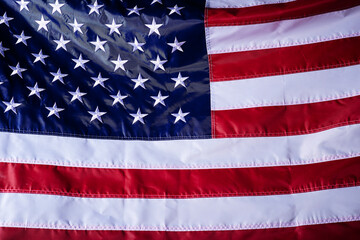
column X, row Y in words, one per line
column 104, row 69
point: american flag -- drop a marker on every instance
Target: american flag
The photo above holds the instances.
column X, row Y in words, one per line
column 193, row 119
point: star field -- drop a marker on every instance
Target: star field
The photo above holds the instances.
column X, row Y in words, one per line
column 112, row 69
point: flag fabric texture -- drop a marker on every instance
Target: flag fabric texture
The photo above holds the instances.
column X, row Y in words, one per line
column 193, row 119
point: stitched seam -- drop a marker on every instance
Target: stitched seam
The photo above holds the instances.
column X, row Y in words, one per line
column 182, row 228
column 193, row 166
column 238, row 77
column 208, row 43
column 206, row 21
column 258, row 21
column 300, row 132
column 280, row 18
column 182, row 196
column 253, row 4
column 292, row 102
column 236, row 22
column 279, row 45
column 205, row 136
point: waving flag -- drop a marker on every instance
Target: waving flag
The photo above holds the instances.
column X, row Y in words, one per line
column 163, row 119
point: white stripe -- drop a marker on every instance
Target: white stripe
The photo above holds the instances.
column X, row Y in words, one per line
column 337, row 143
column 320, row 28
column 232, row 213
column 241, row 3
column 290, row 89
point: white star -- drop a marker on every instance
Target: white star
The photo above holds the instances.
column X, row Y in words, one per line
column 11, row 106
column 61, row 43
column 179, row 116
column 56, row 6
column 54, row 110
column 175, row 9
column 99, row 80
column 77, row 26
column 118, row 98
column 176, row 45
column 113, row 27
column 98, row 44
column 40, row 57
column 42, row 24
column 119, row 63
column 77, row 95
column 136, row 45
column 17, row 70
column 153, row 27
column 96, row 115
column 58, row 76
column 138, row 116
column 2, row 49
column 179, row 80
column 5, row 19
column 35, row 90
column 134, row 10
column 158, row 63
column 95, row 7
column 159, row 99
column 23, row 5
column 22, row 38
column 156, row 1
column 139, row 81
column 80, row 62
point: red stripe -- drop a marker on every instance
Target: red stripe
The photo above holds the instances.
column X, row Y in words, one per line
column 331, row 231
column 274, row 12
column 267, row 62
column 286, row 120
column 136, row 183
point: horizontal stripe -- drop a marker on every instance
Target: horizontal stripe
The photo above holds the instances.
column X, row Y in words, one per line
column 331, row 231
column 240, row 3
column 274, row 12
column 286, row 120
column 314, row 29
column 232, row 213
column 289, row 89
column 137, row 183
column 338, row 143
column 269, row 62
